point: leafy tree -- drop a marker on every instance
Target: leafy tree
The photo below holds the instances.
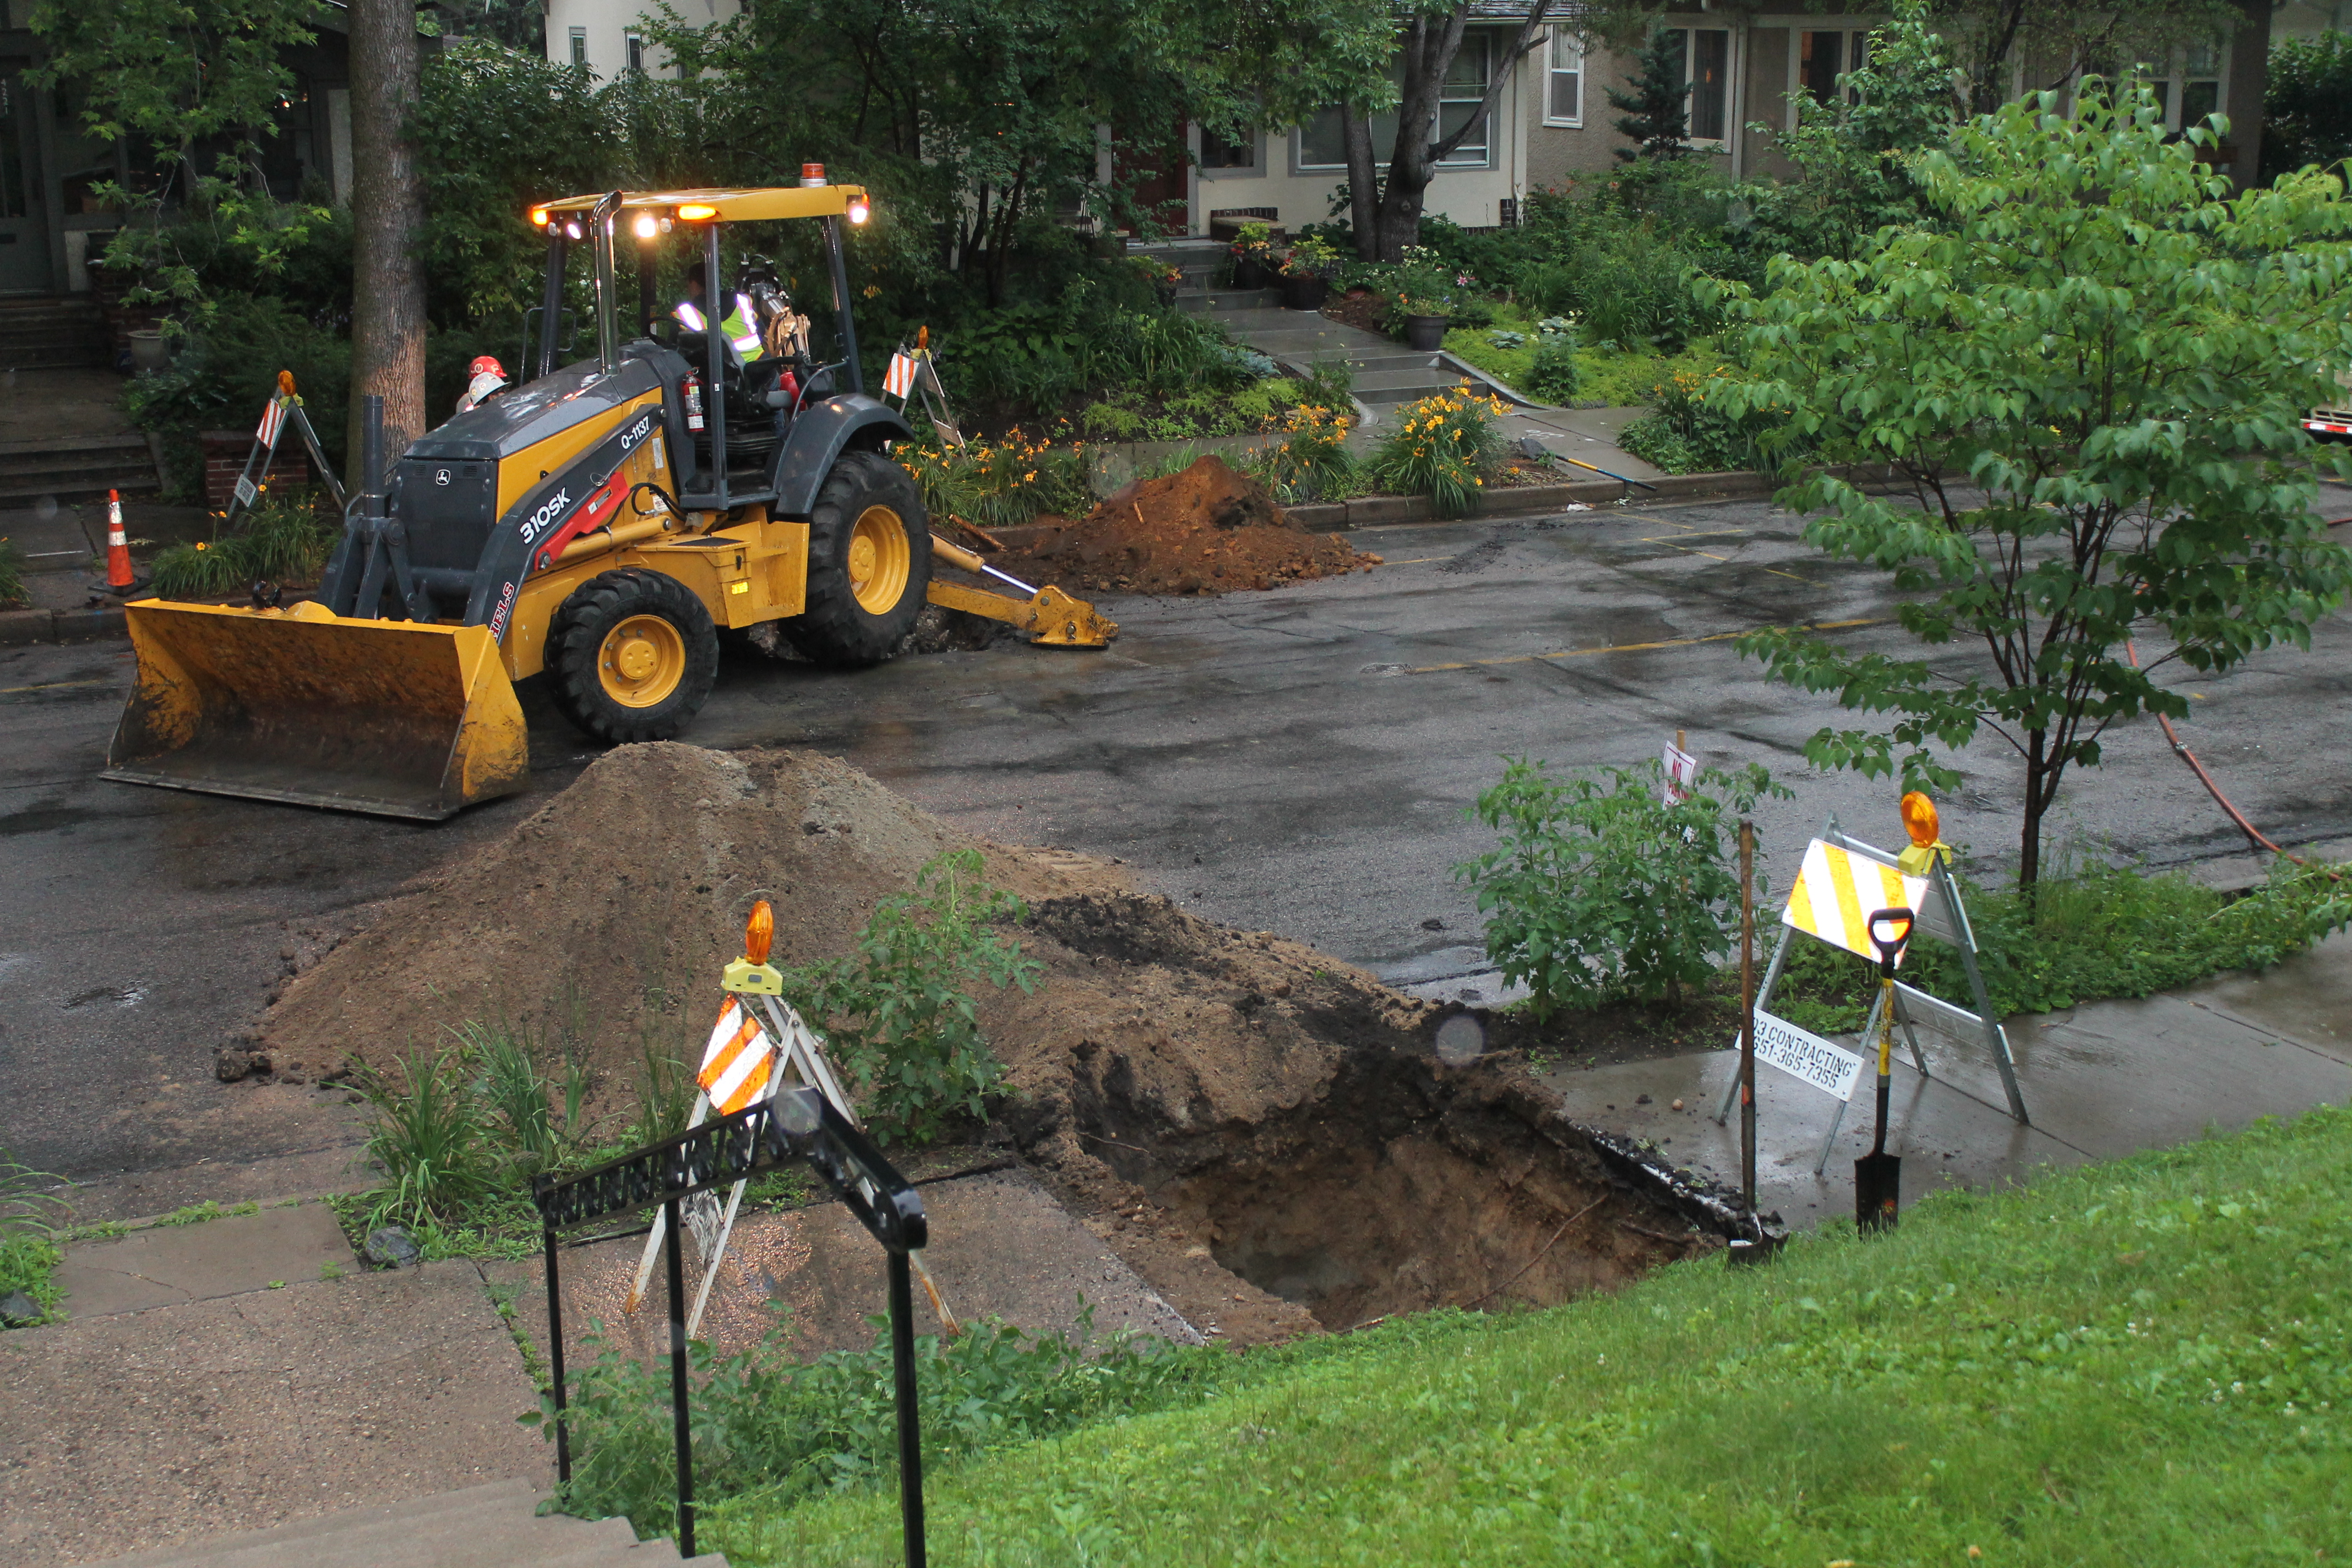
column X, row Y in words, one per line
column 497, row 129
column 1656, row 114
column 1852, row 158
column 2091, row 375
column 173, row 75
column 2060, row 41
column 2308, row 105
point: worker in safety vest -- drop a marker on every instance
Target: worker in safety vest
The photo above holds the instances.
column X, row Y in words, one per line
column 483, row 377
column 738, row 327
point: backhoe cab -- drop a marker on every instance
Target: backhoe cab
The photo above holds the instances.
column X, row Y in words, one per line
column 599, row 522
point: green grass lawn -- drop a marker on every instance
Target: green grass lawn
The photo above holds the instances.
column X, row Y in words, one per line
column 1610, row 376
column 2135, row 1363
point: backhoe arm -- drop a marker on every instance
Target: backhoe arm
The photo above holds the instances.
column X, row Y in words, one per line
column 1049, row 615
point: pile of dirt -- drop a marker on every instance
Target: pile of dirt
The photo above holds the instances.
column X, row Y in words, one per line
column 1226, row 1107
column 1207, row 530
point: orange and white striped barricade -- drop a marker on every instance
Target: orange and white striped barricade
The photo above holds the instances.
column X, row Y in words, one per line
column 759, row 1045
column 284, row 409
column 1843, row 881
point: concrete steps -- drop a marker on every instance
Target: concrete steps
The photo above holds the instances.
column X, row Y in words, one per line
column 78, row 467
column 51, row 333
column 492, row 1526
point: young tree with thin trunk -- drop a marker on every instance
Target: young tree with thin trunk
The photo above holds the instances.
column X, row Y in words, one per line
column 2090, row 374
column 387, row 223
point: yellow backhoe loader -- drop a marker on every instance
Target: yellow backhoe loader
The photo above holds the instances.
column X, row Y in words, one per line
column 599, row 523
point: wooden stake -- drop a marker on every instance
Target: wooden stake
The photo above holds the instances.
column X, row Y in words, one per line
column 1747, row 1014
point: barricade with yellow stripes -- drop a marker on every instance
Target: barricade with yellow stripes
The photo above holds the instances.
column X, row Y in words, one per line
column 1842, row 882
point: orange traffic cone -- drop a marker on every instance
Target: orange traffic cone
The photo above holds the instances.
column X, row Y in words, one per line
column 119, row 579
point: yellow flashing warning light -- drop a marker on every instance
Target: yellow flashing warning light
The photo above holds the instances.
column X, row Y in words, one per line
column 1920, row 822
column 539, row 216
column 696, row 212
column 753, row 973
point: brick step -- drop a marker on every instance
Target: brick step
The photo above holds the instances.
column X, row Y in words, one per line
column 16, row 492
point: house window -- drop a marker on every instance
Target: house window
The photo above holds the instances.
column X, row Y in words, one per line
column 1216, row 153
column 633, row 46
column 1706, row 66
column 578, row 45
column 1564, row 91
column 1322, row 146
column 1824, row 57
column 2192, row 89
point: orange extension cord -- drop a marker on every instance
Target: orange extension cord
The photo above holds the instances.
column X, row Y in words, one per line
column 2181, row 747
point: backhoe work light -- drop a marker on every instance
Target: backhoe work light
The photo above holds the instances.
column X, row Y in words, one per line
column 696, row 212
column 648, row 226
column 572, row 230
column 860, row 209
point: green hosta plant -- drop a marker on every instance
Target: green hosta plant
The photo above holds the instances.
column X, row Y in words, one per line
column 1603, row 891
column 897, row 1010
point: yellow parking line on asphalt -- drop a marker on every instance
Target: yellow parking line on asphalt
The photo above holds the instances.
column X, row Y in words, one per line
column 1632, row 646
column 51, row 686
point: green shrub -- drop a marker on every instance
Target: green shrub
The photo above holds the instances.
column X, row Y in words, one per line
column 1310, row 462
column 895, row 1011
column 1109, row 422
column 12, row 574
column 1443, row 447
column 1601, row 891
column 1653, row 439
column 762, row 1421
column 283, row 541
column 29, row 1226
column 1001, row 484
column 1554, row 376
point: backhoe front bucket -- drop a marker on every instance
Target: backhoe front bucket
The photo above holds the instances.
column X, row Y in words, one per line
column 302, row 705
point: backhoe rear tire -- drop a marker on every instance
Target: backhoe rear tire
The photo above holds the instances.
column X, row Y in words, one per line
column 869, row 563
column 631, row 656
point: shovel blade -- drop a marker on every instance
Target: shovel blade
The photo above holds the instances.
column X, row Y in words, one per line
column 1877, row 1191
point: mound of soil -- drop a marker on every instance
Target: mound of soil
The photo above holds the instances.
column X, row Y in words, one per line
column 1207, row 530
column 1268, row 1135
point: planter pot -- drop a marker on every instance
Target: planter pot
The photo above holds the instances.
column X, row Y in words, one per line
column 1426, row 333
column 1249, row 272
column 1305, row 293
column 148, row 351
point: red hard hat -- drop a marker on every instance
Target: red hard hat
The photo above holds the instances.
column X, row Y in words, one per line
column 484, row 364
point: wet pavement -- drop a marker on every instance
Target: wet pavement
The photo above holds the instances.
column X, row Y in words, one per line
column 1297, row 761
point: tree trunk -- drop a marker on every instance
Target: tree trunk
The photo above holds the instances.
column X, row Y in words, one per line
column 387, row 215
column 2039, row 787
column 1363, row 189
column 1429, row 46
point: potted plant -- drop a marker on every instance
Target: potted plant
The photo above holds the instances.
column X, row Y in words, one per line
column 1164, row 277
column 1306, row 273
column 1253, row 254
column 1424, row 297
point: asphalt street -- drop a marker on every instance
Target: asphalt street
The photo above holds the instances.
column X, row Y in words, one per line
column 1297, row 761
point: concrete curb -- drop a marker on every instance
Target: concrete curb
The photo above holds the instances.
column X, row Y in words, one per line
column 1369, row 511
column 18, row 627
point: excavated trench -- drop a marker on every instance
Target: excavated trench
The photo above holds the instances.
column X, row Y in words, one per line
column 1411, row 1178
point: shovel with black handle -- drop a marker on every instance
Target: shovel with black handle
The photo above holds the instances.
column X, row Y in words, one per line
column 1878, row 1175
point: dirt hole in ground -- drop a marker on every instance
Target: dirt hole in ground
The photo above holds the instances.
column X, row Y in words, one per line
column 1268, row 1135
column 1398, row 1185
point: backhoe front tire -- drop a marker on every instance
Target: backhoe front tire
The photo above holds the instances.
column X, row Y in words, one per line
column 631, row 656
column 869, row 563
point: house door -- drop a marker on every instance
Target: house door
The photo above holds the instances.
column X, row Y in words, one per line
column 1162, row 179
column 23, row 232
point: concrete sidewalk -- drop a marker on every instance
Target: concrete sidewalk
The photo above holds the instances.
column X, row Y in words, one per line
column 2100, row 1080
